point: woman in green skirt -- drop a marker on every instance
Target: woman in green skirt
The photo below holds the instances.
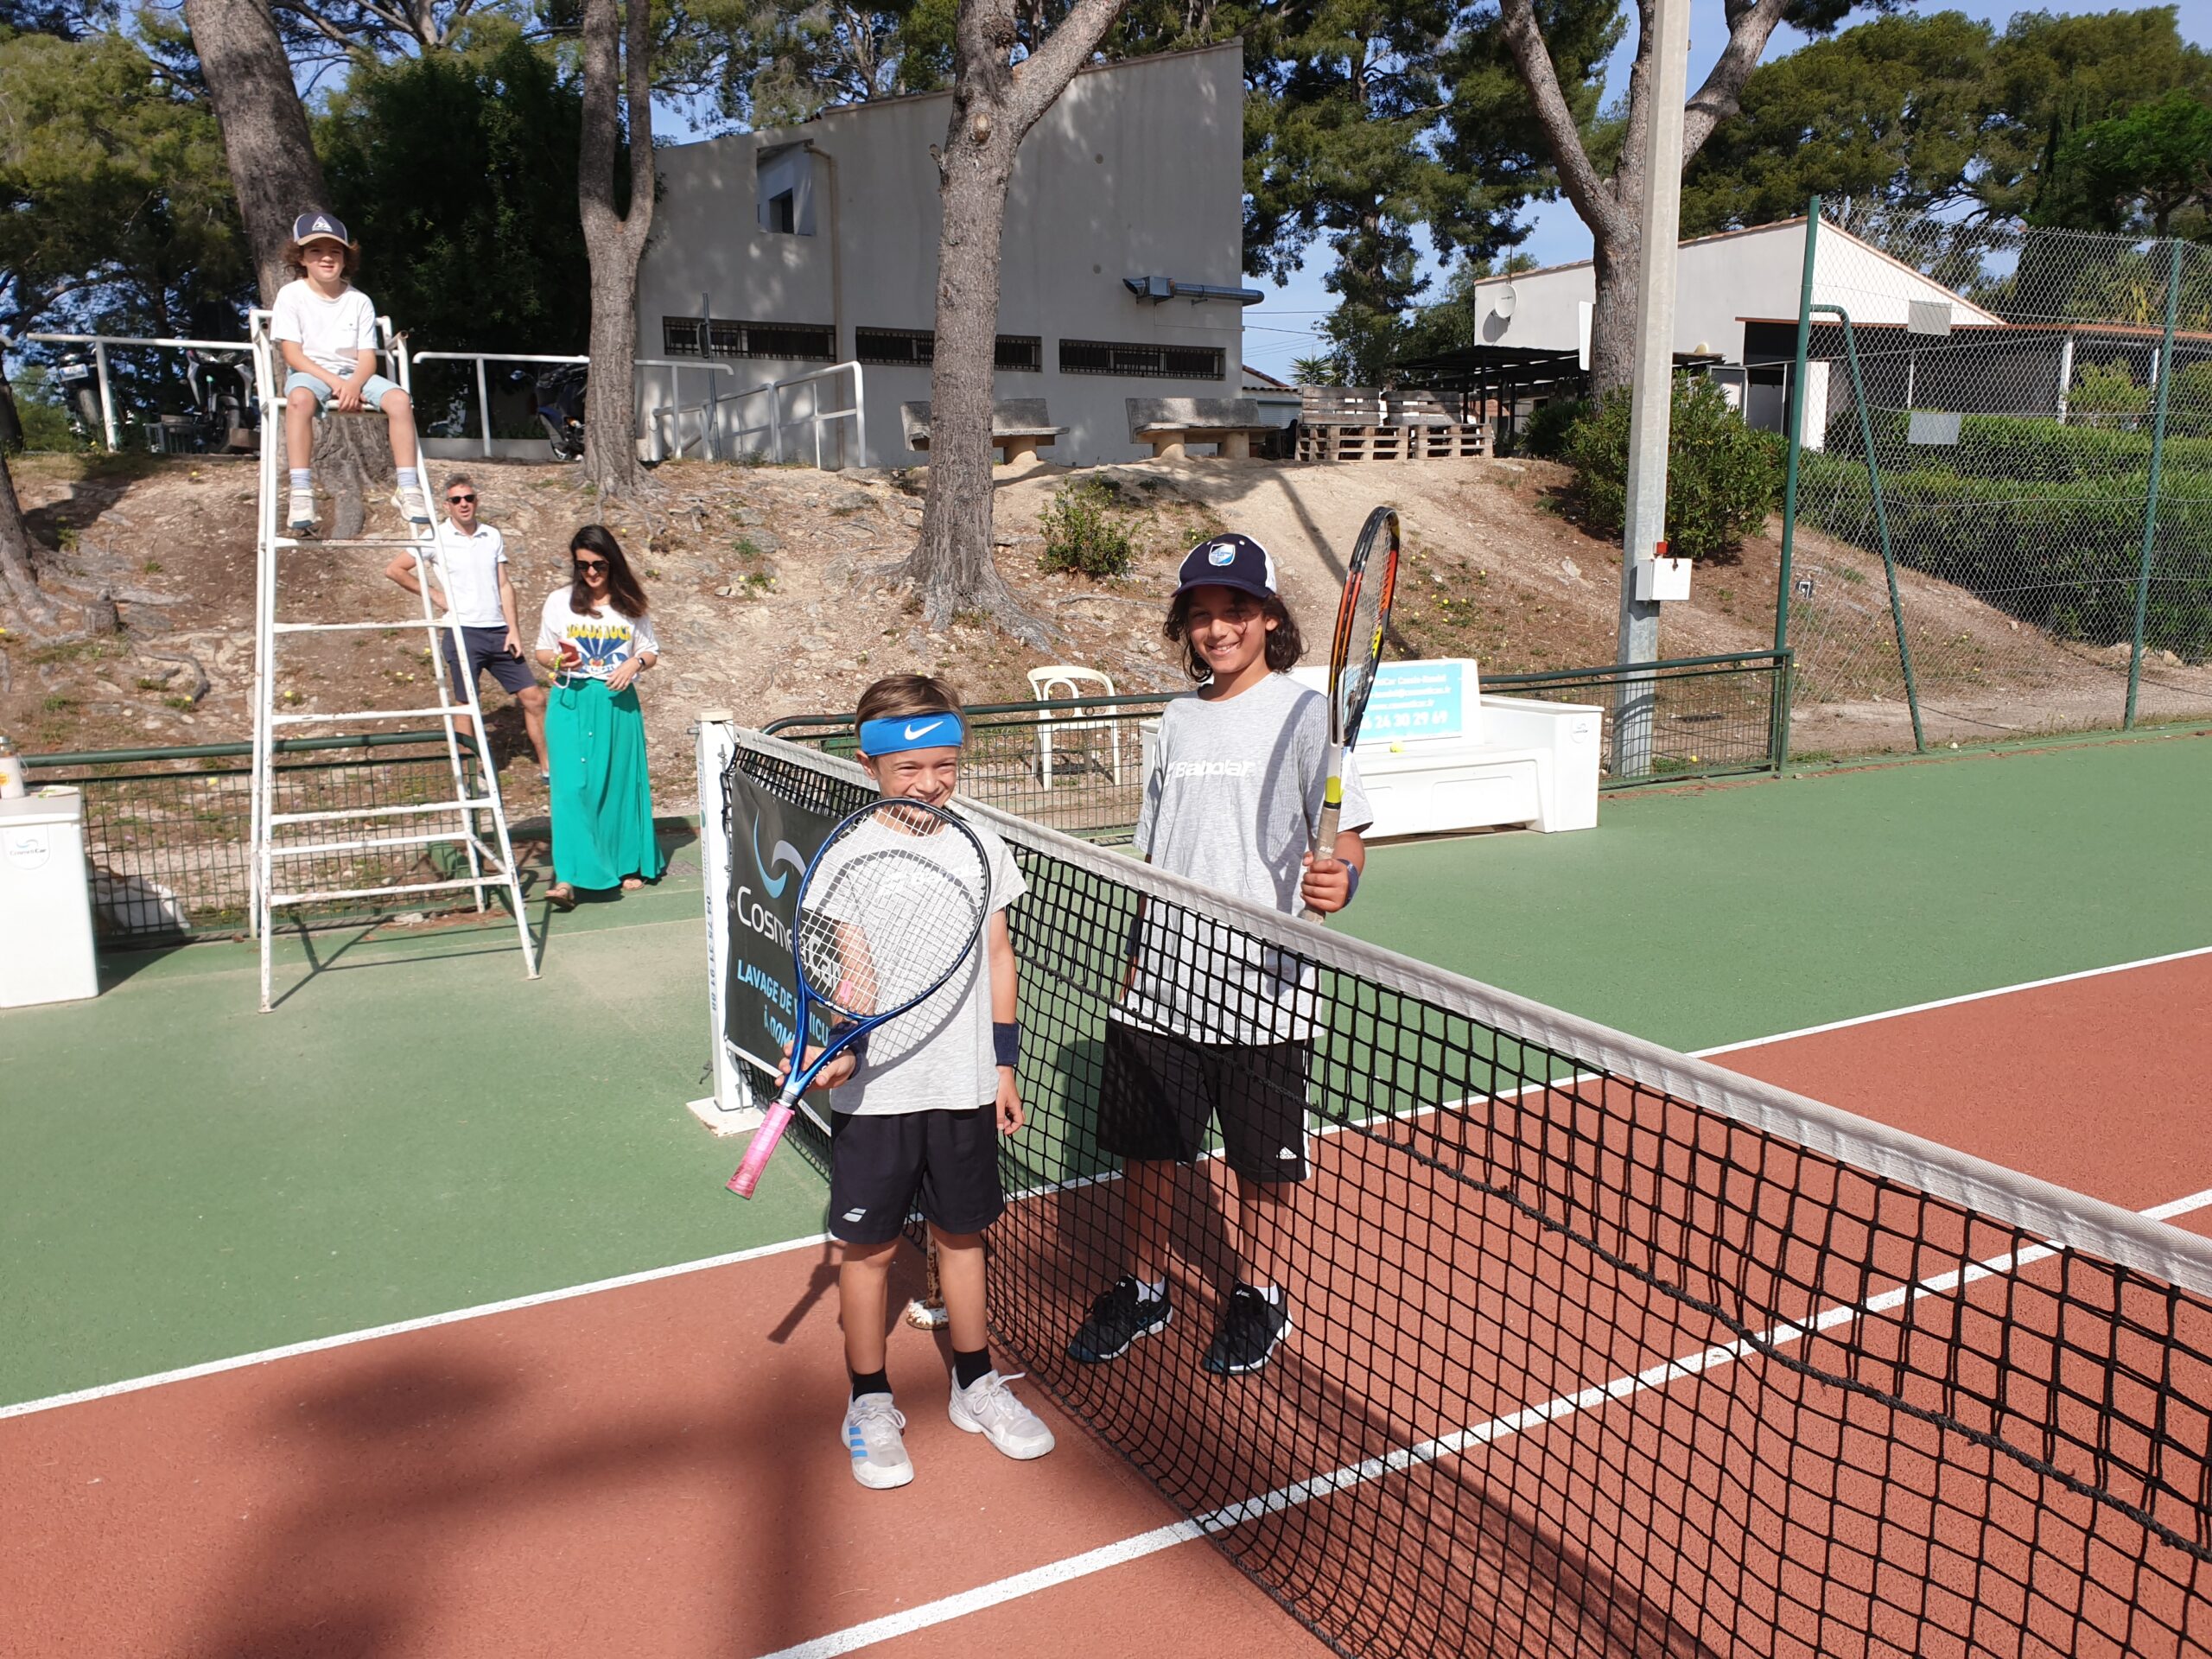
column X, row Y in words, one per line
column 597, row 638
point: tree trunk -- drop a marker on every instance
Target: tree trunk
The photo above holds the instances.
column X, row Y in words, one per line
column 1612, row 316
column 273, row 168
column 995, row 103
column 16, row 566
column 617, row 49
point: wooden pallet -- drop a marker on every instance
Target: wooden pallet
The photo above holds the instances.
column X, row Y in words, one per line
column 1319, row 441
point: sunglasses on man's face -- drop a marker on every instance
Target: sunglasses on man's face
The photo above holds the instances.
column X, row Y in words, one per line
column 457, row 500
column 591, row 564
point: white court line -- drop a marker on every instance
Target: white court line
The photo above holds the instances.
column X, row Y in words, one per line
column 1488, row 1433
column 1950, row 1002
column 210, row 1367
column 400, row 1327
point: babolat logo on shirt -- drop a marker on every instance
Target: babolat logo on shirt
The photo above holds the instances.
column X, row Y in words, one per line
column 1221, row 553
column 1211, row 768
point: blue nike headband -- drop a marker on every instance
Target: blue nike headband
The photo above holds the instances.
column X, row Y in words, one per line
column 895, row 732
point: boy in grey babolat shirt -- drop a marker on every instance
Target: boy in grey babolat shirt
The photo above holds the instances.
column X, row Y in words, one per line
column 1211, row 1029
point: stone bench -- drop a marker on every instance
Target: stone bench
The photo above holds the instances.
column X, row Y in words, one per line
column 1019, row 427
column 1168, row 424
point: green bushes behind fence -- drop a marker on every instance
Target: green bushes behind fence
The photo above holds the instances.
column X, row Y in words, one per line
column 2042, row 521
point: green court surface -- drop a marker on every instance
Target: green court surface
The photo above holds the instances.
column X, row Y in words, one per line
column 417, row 1128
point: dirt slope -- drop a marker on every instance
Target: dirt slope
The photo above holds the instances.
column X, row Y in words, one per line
column 765, row 593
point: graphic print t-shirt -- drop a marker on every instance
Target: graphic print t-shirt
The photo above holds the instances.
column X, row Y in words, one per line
column 606, row 640
column 937, row 1056
column 330, row 333
column 1232, row 802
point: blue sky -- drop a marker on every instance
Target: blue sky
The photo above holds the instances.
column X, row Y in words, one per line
column 1281, row 328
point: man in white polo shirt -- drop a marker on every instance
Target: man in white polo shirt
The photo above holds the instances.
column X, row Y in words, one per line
column 483, row 602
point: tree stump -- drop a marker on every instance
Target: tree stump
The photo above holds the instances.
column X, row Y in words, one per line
column 353, row 460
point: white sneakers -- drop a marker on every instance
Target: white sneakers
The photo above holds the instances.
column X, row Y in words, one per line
column 299, row 516
column 414, row 506
column 987, row 1407
column 872, row 1435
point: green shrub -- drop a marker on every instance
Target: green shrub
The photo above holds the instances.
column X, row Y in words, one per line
column 1082, row 532
column 1722, row 477
column 1544, row 433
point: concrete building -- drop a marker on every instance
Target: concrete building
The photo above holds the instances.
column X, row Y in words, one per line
column 781, row 253
column 1723, row 282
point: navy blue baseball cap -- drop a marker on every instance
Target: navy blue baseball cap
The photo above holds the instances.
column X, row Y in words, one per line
column 1229, row 560
column 319, row 227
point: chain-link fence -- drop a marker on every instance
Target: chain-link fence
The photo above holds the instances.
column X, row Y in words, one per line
column 2003, row 513
column 167, row 832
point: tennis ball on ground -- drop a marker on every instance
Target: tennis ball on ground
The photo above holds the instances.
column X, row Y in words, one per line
column 1397, row 748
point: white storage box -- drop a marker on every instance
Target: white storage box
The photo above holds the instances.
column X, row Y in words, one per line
column 45, row 908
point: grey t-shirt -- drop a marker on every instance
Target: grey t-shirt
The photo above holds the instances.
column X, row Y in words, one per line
column 937, row 1056
column 1232, row 802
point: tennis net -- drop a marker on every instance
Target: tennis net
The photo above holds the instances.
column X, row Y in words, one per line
column 1599, row 1349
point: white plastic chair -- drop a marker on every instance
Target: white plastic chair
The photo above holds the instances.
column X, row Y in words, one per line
column 1062, row 680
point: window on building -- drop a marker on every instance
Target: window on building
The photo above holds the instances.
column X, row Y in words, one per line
column 1013, row 353
column 795, row 342
column 1142, row 362
column 783, row 190
column 908, row 346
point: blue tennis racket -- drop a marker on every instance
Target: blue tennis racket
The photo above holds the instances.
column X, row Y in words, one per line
column 887, row 912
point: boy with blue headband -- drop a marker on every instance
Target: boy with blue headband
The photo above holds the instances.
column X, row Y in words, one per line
column 920, row 1128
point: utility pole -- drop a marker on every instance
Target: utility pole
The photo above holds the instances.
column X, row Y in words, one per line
column 1652, row 394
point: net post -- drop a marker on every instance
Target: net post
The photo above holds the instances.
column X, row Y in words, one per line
column 2151, row 498
column 729, row 1107
column 1796, row 422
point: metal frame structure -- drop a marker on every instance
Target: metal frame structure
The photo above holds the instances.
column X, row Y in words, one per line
column 491, row 864
column 99, row 343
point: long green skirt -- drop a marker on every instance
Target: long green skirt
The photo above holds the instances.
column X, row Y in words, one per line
column 602, row 794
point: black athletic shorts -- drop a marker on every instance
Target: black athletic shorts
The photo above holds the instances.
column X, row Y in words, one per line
column 884, row 1165
column 1160, row 1091
column 487, row 649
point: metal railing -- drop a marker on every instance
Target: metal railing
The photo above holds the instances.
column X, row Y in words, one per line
column 99, row 343
column 1710, row 716
column 167, row 832
column 1077, row 764
column 652, row 416
column 857, row 411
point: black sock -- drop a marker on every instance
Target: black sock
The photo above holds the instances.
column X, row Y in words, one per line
column 968, row 1370
column 870, row 1382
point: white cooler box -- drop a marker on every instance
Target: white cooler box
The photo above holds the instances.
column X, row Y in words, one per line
column 45, row 908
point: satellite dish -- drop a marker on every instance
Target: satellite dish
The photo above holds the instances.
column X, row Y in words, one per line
column 1506, row 300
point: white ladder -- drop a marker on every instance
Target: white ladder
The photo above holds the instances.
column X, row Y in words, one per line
column 279, row 836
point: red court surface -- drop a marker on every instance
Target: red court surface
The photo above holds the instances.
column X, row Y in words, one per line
column 654, row 1469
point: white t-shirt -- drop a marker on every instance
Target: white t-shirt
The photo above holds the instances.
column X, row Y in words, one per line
column 471, row 582
column 1232, row 802
column 937, row 1056
column 331, row 333
column 606, row 640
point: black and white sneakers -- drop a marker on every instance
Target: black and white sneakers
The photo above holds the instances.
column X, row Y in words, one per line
column 1252, row 1328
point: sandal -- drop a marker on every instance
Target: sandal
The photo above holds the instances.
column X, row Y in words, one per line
column 561, row 896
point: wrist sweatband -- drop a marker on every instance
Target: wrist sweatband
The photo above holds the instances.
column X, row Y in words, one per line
column 1352, row 883
column 895, row 732
column 1005, row 1041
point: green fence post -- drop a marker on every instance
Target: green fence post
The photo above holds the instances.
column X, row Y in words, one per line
column 2151, row 504
column 1881, row 522
column 1796, row 422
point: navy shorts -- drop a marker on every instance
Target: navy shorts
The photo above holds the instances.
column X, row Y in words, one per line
column 885, row 1166
column 1160, row 1092
column 487, row 649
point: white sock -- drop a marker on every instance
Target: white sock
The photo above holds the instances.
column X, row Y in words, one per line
column 409, row 479
column 1152, row 1290
column 303, row 478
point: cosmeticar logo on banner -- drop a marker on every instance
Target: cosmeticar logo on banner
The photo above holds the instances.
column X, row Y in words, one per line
column 770, row 841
